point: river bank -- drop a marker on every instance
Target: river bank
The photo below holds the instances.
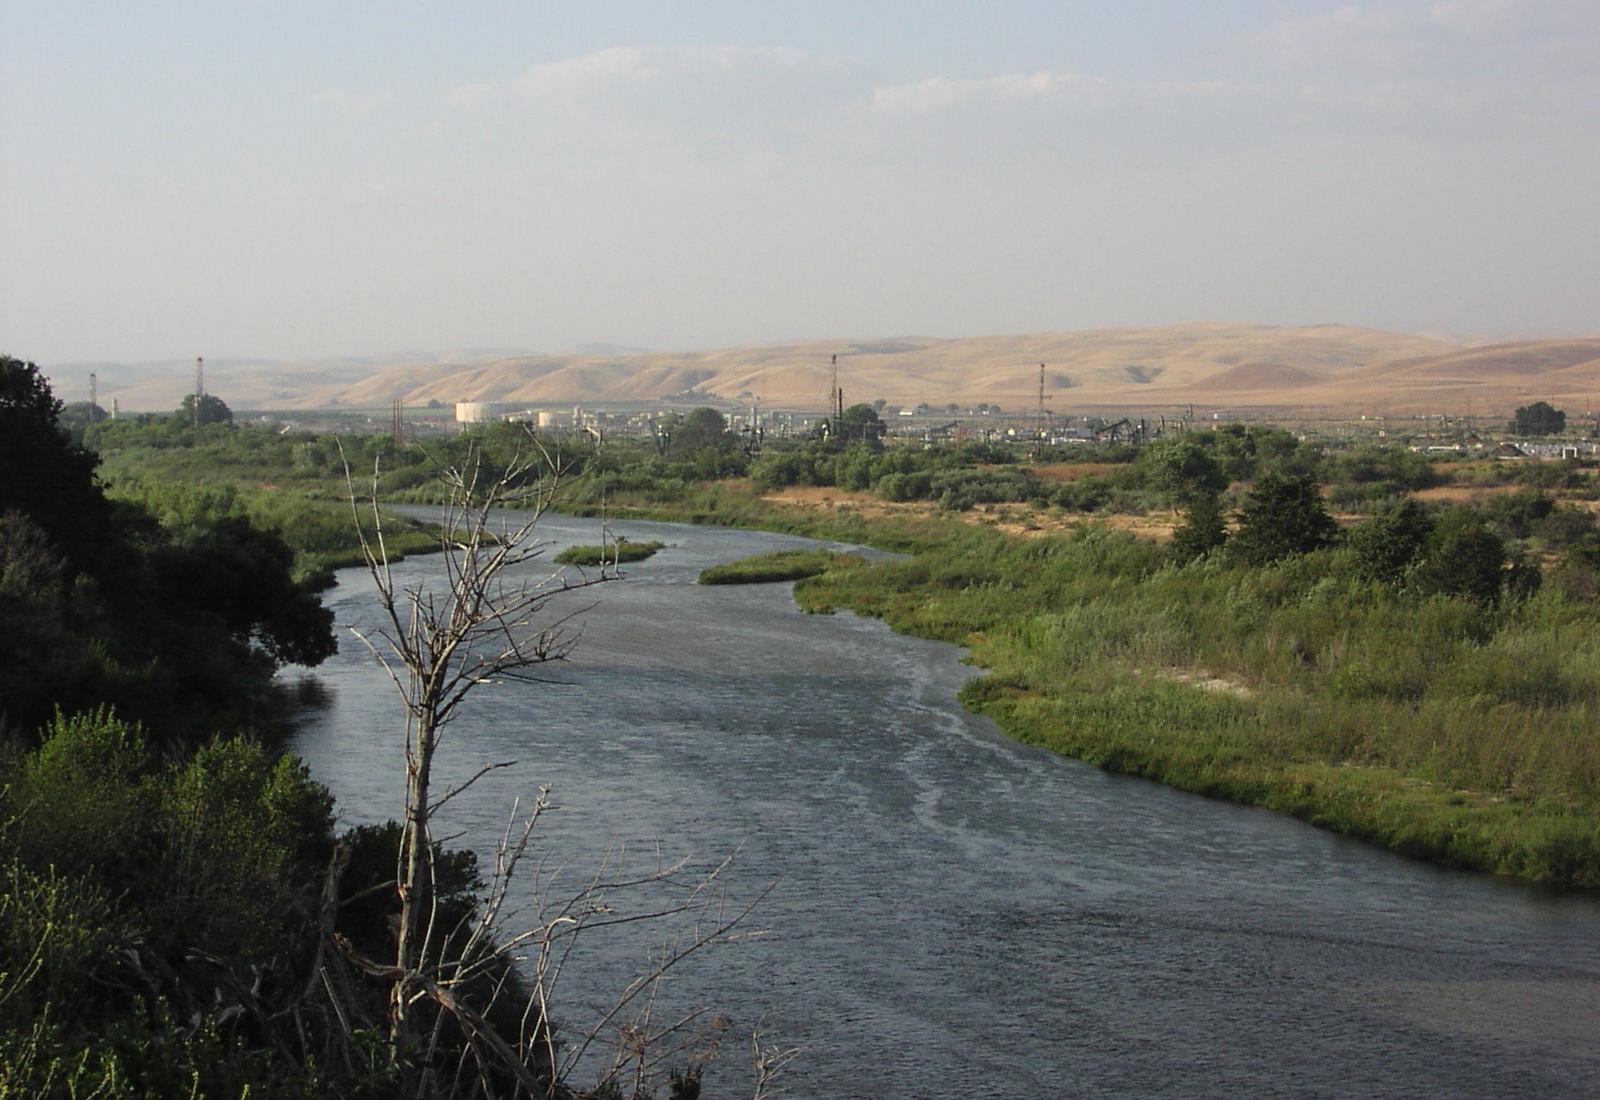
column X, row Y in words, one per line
column 953, row 911
column 1440, row 730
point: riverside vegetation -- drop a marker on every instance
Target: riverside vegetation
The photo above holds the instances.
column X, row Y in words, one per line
column 781, row 565
column 1424, row 677
column 179, row 914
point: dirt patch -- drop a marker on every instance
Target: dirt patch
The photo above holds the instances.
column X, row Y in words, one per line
column 1071, row 471
column 1203, row 680
column 1155, row 526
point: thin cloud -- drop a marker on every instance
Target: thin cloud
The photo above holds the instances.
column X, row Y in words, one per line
column 939, row 93
column 1080, row 90
column 1475, row 17
column 622, row 67
column 1340, row 36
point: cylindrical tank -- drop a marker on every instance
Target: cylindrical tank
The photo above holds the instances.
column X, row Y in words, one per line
column 472, row 412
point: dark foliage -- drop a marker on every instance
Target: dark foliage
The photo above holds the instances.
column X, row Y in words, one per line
column 1538, row 418
column 1387, row 546
column 1281, row 516
column 101, row 604
column 1203, row 528
column 42, row 474
column 213, row 410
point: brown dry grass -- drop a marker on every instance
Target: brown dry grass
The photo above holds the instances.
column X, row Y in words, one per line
column 1464, row 494
column 1014, row 519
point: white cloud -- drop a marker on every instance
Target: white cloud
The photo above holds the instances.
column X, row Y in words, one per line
column 923, row 97
column 617, row 64
column 1335, row 37
column 938, row 93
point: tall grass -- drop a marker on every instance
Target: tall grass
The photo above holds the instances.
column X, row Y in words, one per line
column 1437, row 727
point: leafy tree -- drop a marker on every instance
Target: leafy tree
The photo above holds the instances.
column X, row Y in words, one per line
column 181, row 628
column 1386, row 546
column 213, row 410
column 1466, row 557
column 1395, row 468
column 1519, row 514
column 1282, row 516
column 853, row 468
column 44, row 474
column 78, row 417
column 240, row 836
column 240, row 576
column 1539, row 419
column 860, row 423
column 1203, row 528
column 777, row 469
column 1182, row 468
column 1246, row 452
column 702, row 427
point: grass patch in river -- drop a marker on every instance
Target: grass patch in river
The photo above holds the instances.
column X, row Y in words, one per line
column 619, row 551
column 780, row 565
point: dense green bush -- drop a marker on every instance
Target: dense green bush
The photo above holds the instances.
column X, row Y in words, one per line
column 1387, row 546
column 1281, row 516
column 1204, row 528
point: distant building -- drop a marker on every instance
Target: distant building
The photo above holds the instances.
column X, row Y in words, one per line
column 473, row 412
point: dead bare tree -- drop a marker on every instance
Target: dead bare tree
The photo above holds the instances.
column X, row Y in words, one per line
column 487, row 618
column 483, row 621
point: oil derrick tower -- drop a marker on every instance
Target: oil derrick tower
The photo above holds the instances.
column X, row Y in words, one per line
column 1044, row 417
column 833, row 424
column 397, row 423
column 837, row 411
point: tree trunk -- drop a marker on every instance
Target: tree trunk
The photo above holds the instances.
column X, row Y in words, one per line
column 416, row 887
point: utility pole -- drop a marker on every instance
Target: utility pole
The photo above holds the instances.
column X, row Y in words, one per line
column 199, row 386
column 94, row 394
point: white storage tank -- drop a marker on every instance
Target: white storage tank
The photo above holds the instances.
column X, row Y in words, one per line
column 472, row 412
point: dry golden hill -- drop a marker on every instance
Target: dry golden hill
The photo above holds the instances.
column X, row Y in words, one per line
column 1211, row 365
column 1207, row 363
column 1492, row 379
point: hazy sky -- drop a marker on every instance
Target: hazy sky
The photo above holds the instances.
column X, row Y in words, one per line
column 289, row 179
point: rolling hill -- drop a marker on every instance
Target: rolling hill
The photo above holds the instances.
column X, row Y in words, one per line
column 1212, row 365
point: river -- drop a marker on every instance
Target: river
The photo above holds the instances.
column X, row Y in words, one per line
column 952, row 913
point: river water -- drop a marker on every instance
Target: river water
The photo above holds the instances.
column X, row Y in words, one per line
column 952, row 913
